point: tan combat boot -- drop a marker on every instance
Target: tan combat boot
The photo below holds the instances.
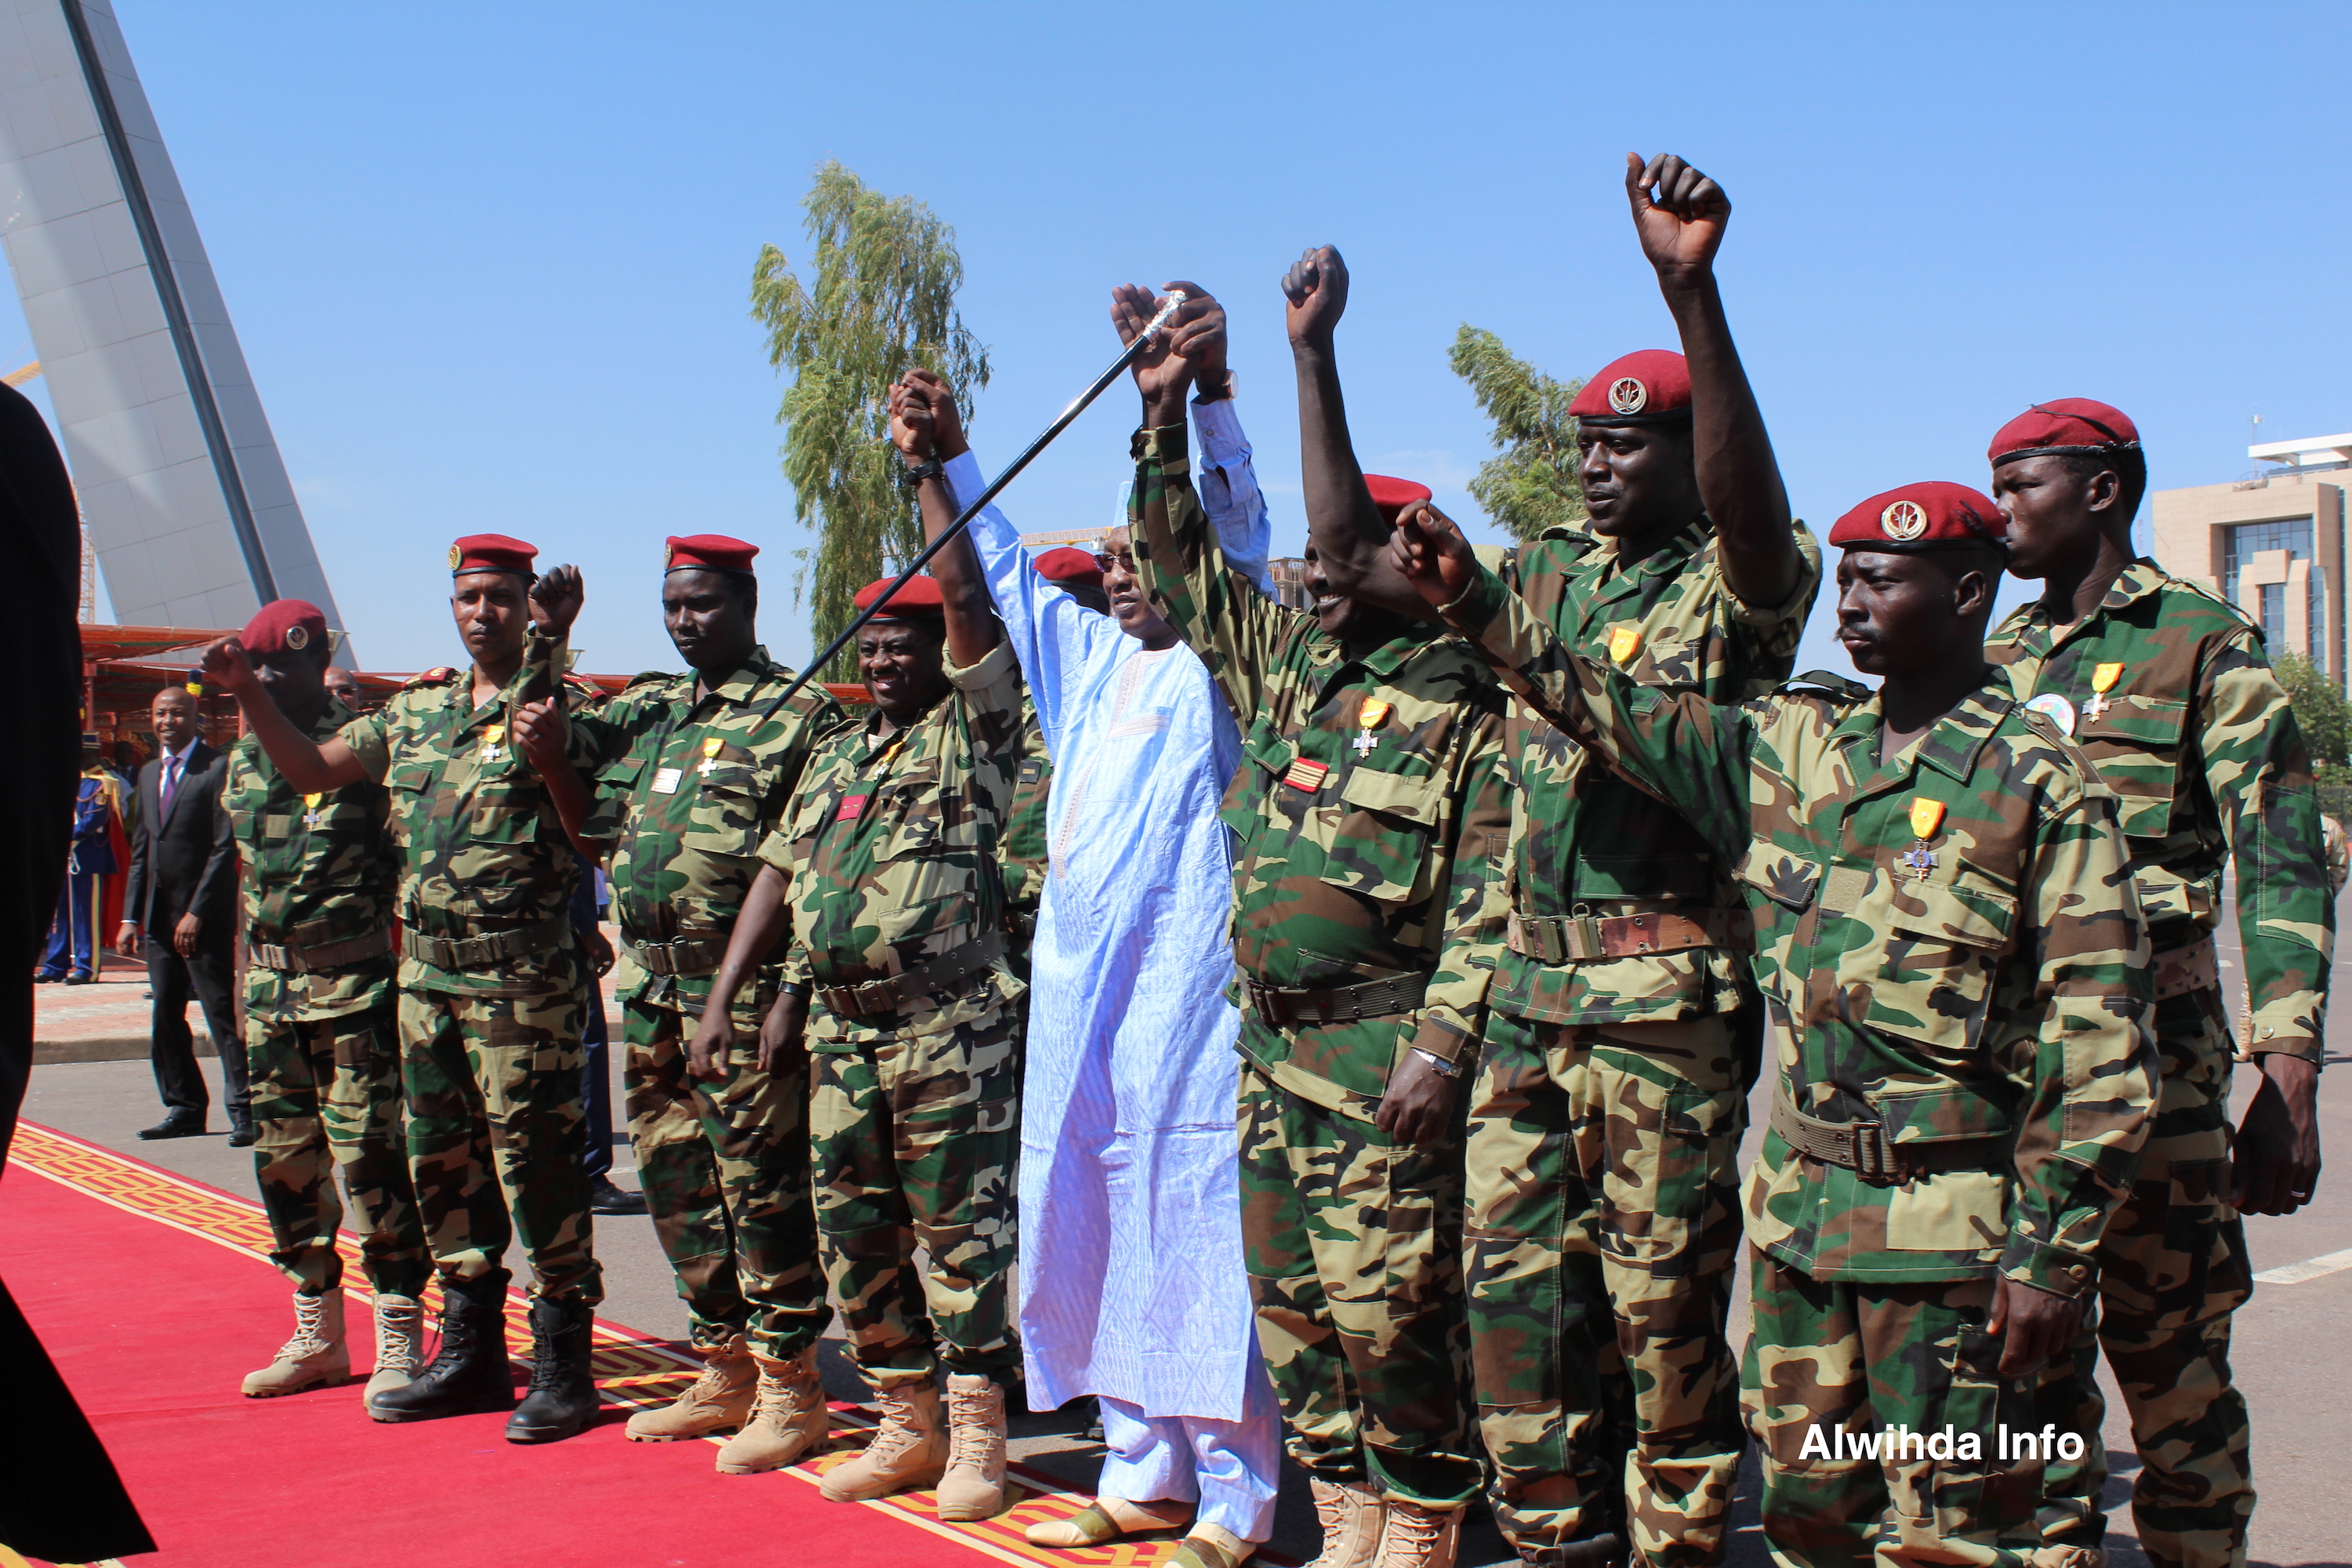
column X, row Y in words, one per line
column 1352, row 1515
column 718, row 1401
column 788, row 1422
column 315, row 1357
column 974, row 1485
column 399, row 1345
column 1418, row 1537
column 907, row 1453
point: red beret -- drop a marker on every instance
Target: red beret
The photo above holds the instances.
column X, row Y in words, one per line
column 1071, row 568
column 1392, row 495
column 2066, row 425
column 707, row 552
column 920, row 596
column 1931, row 515
column 491, row 553
column 1648, row 387
column 284, row 626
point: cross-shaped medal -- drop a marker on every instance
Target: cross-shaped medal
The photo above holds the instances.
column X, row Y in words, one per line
column 709, row 756
column 2097, row 705
column 1364, row 744
column 1921, row 861
column 316, row 816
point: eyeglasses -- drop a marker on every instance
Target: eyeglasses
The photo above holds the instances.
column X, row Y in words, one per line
column 1123, row 562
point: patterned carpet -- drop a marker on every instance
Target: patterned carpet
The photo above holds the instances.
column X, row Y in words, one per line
column 632, row 1369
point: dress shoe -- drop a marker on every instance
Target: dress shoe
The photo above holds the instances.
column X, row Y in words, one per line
column 176, row 1124
column 41, row 978
column 242, row 1132
column 604, row 1197
column 82, row 979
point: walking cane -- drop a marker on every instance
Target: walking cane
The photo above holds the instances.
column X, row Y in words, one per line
column 1077, row 406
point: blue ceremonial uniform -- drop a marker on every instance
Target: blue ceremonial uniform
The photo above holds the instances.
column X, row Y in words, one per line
column 74, row 935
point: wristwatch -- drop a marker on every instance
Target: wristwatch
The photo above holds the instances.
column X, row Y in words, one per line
column 929, row 468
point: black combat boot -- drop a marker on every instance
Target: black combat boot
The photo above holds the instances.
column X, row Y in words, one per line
column 563, row 1397
column 469, row 1373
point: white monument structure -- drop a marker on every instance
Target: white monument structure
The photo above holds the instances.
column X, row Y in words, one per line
column 187, row 502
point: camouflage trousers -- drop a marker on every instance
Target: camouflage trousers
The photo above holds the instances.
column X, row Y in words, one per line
column 1603, row 1227
column 2172, row 1271
column 326, row 1092
column 496, row 1134
column 1353, row 1245
column 914, row 1142
column 724, row 1166
column 1845, row 1370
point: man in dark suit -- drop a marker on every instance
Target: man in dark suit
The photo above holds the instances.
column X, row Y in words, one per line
column 180, row 899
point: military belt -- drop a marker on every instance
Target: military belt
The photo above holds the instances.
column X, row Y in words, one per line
column 2196, row 967
column 927, row 978
column 478, row 952
column 1864, row 1148
column 1573, row 939
column 319, row 956
column 1280, row 1005
column 687, row 955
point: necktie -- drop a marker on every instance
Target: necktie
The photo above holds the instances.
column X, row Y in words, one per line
column 171, row 780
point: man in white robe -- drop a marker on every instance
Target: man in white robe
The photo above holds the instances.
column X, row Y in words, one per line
column 1133, row 1287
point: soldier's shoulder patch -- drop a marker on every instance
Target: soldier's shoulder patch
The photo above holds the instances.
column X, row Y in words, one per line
column 1821, row 683
column 441, row 675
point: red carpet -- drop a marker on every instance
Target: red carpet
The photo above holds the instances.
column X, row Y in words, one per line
column 148, row 1292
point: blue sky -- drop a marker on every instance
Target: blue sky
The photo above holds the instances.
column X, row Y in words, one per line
column 489, row 263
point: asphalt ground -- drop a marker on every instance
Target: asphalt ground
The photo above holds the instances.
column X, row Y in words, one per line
column 2292, row 1350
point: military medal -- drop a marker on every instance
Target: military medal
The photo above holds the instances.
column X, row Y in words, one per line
column 1926, row 815
column 2103, row 681
column 1305, row 775
column 1369, row 716
column 313, row 818
column 2055, row 709
column 1624, row 642
column 492, row 735
column 710, row 755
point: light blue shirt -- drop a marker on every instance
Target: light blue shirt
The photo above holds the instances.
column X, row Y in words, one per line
column 1131, row 1271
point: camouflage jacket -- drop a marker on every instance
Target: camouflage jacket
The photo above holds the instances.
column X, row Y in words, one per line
column 318, row 868
column 891, row 853
column 482, row 850
column 1023, row 845
column 2196, row 737
column 1948, row 943
column 1370, row 807
column 1585, row 842
column 686, row 791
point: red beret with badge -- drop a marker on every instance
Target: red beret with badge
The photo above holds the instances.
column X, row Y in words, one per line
column 284, row 626
column 1070, row 568
column 1392, row 495
column 1649, row 386
column 919, row 597
column 2065, row 427
column 1930, row 515
column 706, row 552
column 492, row 552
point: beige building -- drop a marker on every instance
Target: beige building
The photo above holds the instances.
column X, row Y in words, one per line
column 2273, row 544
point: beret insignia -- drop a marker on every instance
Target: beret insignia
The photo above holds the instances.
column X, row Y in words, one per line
column 456, row 555
column 297, row 637
column 1628, row 395
column 1903, row 519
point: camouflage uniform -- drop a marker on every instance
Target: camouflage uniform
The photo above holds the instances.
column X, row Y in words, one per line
column 1604, row 1135
column 491, row 980
column 2194, row 736
column 897, row 923
column 1955, row 968
column 1023, row 851
column 1370, row 808
column 688, row 789
column 321, row 1036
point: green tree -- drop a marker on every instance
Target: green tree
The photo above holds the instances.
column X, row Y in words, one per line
column 880, row 299
column 1533, row 485
column 2321, row 712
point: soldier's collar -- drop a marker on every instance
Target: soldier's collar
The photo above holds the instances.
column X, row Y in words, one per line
column 2136, row 581
column 1668, row 559
column 1953, row 742
column 744, row 680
